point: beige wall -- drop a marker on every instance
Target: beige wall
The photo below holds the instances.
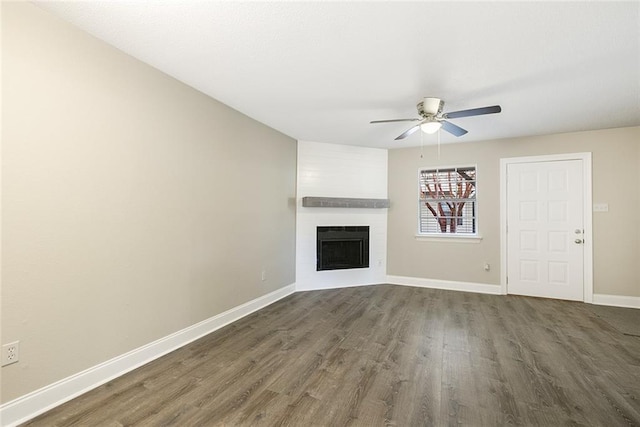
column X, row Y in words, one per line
column 133, row 205
column 616, row 234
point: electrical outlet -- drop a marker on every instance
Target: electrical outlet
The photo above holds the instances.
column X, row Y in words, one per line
column 263, row 276
column 10, row 353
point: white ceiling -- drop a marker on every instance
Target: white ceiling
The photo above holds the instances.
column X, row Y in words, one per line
column 320, row 71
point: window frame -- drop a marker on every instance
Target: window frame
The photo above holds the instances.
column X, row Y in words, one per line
column 462, row 237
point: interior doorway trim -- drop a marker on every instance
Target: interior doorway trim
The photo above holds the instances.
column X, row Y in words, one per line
column 588, row 215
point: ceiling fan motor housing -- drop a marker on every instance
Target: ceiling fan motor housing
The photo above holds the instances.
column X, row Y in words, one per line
column 430, row 107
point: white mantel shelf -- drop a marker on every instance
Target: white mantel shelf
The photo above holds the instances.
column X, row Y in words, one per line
column 344, row 202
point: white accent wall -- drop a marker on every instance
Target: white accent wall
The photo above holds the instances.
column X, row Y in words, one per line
column 332, row 170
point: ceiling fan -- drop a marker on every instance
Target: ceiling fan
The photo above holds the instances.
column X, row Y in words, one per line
column 432, row 118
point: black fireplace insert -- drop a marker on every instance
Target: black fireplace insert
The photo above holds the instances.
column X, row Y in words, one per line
column 342, row 247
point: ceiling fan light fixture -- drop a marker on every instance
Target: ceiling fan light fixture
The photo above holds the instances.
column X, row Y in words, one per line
column 430, row 127
column 432, row 118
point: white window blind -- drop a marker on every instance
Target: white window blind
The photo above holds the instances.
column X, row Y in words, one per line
column 448, row 201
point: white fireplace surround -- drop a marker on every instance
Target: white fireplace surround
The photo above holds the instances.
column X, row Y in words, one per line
column 340, row 171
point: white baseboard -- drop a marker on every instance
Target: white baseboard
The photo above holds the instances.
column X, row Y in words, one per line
column 480, row 288
column 35, row 403
column 616, row 300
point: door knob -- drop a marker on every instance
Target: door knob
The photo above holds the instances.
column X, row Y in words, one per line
column 578, row 241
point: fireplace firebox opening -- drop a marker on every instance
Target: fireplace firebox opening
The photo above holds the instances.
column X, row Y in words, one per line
column 342, row 247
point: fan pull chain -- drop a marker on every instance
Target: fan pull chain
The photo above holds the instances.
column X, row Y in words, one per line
column 438, row 145
column 421, row 144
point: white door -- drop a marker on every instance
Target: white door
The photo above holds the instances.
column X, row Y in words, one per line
column 545, row 229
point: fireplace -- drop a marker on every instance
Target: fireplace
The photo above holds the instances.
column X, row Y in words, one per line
column 342, row 247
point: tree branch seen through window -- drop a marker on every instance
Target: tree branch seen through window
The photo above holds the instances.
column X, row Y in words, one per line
column 448, row 201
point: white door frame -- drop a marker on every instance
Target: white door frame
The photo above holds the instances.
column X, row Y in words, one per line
column 588, row 220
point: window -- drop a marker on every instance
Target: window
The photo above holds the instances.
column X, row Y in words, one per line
column 448, row 201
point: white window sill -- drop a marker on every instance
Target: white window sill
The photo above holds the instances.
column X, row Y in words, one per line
column 450, row 238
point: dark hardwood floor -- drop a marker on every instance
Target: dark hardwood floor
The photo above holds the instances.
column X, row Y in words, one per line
column 384, row 356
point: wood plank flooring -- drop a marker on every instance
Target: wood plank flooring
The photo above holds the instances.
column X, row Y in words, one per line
column 384, row 356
